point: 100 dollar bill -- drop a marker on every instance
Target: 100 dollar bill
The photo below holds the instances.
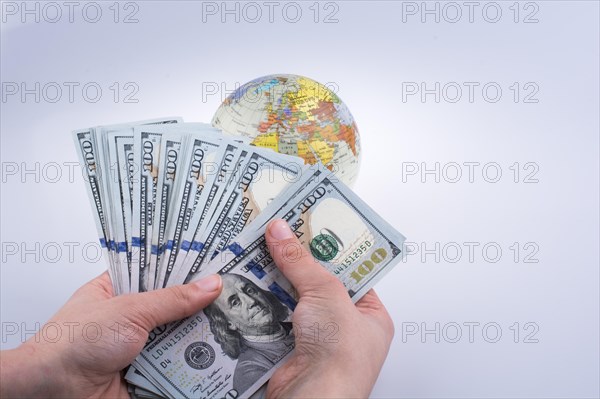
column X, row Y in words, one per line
column 87, row 152
column 262, row 176
column 92, row 149
column 229, row 351
column 198, row 167
column 227, row 158
column 173, row 146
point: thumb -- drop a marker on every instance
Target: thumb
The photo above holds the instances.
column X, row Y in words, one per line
column 295, row 262
column 155, row 308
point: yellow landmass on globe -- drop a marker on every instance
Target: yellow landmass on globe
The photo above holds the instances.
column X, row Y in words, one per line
column 316, row 90
column 267, row 140
column 323, row 150
column 308, row 96
column 303, row 150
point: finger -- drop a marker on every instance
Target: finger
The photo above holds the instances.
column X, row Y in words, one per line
column 155, row 308
column 295, row 262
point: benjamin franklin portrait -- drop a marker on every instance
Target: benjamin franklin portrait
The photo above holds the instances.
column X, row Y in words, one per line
column 249, row 324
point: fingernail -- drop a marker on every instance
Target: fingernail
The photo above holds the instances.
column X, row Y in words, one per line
column 280, row 230
column 210, row 283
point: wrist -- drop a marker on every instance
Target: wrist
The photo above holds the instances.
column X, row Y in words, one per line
column 323, row 380
column 337, row 381
column 31, row 370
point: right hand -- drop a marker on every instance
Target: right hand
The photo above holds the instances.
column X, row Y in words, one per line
column 344, row 356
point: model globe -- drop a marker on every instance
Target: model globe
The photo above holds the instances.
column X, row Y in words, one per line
column 294, row 115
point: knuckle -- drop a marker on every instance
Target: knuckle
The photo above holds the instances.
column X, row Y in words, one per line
column 326, row 284
column 387, row 324
column 180, row 296
column 390, row 328
column 328, row 280
column 137, row 313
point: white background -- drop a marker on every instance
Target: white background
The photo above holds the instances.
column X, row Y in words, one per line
column 372, row 55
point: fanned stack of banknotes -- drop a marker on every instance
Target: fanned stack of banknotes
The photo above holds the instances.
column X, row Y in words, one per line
column 175, row 201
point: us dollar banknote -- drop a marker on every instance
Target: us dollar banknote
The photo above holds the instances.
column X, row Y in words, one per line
column 125, row 159
column 100, row 134
column 92, row 147
column 120, row 160
column 185, row 201
column 170, row 159
column 119, row 190
column 199, row 170
column 146, row 151
column 341, row 232
column 233, row 346
column 135, row 377
column 87, row 152
column 147, row 162
column 262, row 176
column 198, row 250
column 227, row 160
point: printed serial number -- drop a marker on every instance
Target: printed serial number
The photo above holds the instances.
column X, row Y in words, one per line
column 360, row 251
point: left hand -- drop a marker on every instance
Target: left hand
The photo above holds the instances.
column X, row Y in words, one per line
column 81, row 351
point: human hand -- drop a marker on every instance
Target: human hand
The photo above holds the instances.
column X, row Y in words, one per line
column 98, row 336
column 340, row 346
